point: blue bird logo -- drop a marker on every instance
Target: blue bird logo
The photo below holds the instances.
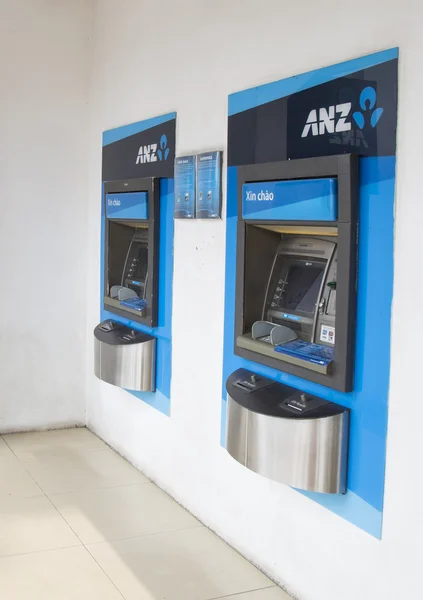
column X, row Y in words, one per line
column 367, row 104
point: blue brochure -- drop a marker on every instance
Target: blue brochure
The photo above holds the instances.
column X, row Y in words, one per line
column 184, row 187
column 314, row 353
column 134, row 303
column 209, row 185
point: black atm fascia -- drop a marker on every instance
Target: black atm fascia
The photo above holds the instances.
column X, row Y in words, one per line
column 151, row 185
column 345, row 169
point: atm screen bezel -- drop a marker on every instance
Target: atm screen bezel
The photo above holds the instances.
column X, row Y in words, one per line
column 345, row 169
column 151, row 185
column 321, row 250
column 289, row 262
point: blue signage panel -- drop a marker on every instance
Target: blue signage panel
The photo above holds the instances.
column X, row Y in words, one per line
column 143, row 149
column 209, row 185
column 293, row 200
column 127, row 205
column 185, row 187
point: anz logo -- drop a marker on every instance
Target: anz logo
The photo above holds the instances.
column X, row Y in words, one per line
column 334, row 119
column 328, row 120
column 150, row 153
column 367, row 104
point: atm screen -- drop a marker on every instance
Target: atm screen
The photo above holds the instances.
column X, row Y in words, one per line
column 298, row 285
column 302, row 288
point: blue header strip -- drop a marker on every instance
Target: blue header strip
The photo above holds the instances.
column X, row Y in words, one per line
column 127, row 205
column 120, row 133
column 256, row 96
column 296, row 200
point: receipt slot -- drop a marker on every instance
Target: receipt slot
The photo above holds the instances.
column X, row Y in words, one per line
column 296, row 267
column 287, row 435
column 131, row 249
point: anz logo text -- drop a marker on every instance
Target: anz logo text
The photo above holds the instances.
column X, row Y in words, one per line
column 334, row 119
column 147, row 154
column 150, row 152
column 328, row 120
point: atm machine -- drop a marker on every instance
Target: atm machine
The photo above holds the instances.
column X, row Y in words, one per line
column 296, row 273
column 125, row 356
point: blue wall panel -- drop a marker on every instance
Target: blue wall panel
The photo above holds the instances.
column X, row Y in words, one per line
column 267, row 124
column 363, row 503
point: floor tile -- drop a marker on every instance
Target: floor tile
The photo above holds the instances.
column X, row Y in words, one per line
column 68, row 574
column 15, row 482
column 192, row 564
column 4, row 448
column 31, row 525
column 39, row 441
column 68, row 469
column 123, row 512
column 273, row 593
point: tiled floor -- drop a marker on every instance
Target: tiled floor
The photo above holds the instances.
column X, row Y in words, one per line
column 78, row 522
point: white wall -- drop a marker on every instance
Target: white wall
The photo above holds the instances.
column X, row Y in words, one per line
column 154, row 57
column 43, row 151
